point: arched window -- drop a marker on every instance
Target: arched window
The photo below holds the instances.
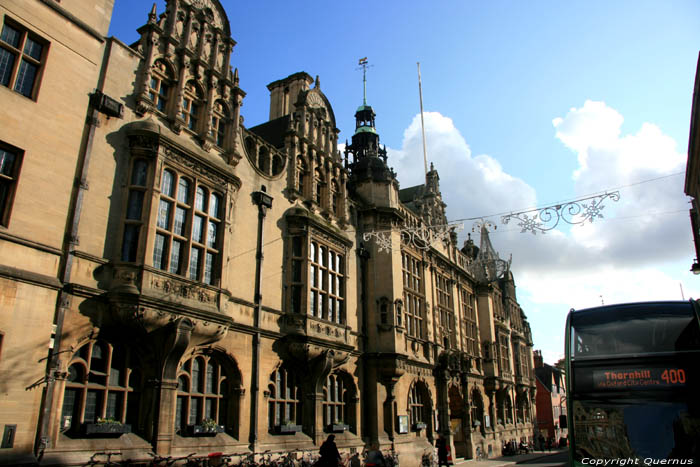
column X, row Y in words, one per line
column 419, row 405
column 338, row 400
column 335, row 207
column 219, row 117
column 191, row 105
column 204, row 394
column 277, row 164
column 509, row 410
column 284, row 401
column 318, row 184
column 301, row 176
column 477, row 409
column 264, row 160
column 101, row 385
column 160, row 85
column 523, row 413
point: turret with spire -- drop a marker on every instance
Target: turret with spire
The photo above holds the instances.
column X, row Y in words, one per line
column 369, row 160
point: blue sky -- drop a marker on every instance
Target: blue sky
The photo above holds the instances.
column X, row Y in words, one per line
column 527, row 103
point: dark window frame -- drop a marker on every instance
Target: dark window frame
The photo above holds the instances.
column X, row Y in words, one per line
column 22, row 56
column 9, row 178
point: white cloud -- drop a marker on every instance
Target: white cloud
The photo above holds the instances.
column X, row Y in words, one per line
column 619, row 257
column 471, row 186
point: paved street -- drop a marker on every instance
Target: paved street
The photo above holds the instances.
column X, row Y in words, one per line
column 557, row 457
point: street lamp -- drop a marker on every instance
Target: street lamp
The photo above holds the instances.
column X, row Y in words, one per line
column 695, row 268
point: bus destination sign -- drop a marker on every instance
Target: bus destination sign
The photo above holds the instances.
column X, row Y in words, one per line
column 617, row 378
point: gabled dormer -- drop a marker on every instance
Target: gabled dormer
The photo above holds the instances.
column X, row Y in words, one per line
column 185, row 77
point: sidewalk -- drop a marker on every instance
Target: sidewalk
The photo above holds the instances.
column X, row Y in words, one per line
column 507, row 460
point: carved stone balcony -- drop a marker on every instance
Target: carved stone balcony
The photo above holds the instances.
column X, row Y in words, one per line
column 317, row 329
column 149, row 299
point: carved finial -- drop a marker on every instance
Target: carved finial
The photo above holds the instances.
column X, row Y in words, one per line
column 318, row 83
column 153, row 15
column 235, row 77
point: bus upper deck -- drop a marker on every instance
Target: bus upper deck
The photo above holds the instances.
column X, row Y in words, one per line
column 633, row 377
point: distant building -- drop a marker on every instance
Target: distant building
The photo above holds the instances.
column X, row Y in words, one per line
column 175, row 282
column 551, row 400
column 692, row 171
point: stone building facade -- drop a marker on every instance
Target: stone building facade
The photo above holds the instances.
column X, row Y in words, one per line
column 173, row 281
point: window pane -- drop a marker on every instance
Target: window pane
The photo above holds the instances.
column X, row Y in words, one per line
column 113, row 405
column 25, row 78
column 180, row 219
column 209, row 409
column 167, row 184
column 158, row 250
column 211, row 370
column 134, row 205
column 211, row 235
column 195, row 404
column 10, row 35
column 7, row 62
column 193, row 116
column 7, row 162
column 183, row 191
column 296, row 246
column 208, row 268
column 194, row 263
column 164, row 214
column 139, row 174
column 91, row 407
column 199, row 200
column 163, row 96
column 214, row 206
column 196, row 375
column 33, row 49
column 296, row 270
column 180, row 413
column 175, row 257
column 69, row 398
column 130, row 242
column 198, row 229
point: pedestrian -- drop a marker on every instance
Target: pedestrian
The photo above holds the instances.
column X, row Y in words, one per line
column 374, row 458
column 329, row 453
column 549, row 444
column 540, row 442
column 442, row 448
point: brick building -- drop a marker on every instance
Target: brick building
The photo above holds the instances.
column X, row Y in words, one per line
column 550, row 400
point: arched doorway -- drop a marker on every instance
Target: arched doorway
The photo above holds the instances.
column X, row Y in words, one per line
column 457, row 421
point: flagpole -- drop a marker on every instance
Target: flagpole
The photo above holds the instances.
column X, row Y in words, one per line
column 422, row 125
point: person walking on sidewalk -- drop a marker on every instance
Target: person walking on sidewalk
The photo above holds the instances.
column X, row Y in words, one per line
column 442, row 448
column 329, row 453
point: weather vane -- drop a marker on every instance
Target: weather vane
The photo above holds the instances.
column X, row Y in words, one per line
column 364, row 64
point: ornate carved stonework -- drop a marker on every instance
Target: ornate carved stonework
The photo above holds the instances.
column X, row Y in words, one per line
column 184, row 290
column 197, row 167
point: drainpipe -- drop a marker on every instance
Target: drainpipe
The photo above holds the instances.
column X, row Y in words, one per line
column 99, row 102
column 264, row 202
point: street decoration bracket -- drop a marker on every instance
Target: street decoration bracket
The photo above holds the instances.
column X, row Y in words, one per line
column 422, row 238
column 576, row 212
